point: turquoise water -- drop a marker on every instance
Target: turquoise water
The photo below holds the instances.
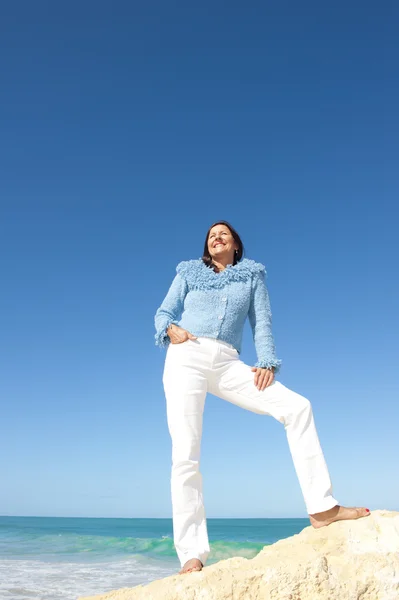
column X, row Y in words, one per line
column 44, row 558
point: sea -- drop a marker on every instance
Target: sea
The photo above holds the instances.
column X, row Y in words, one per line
column 62, row 558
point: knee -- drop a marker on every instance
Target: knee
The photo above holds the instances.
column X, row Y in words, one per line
column 304, row 405
column 301, row 409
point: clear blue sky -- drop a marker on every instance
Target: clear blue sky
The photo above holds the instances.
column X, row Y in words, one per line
column 127, row 129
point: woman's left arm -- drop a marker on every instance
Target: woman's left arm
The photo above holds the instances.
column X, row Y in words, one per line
column 260, row 318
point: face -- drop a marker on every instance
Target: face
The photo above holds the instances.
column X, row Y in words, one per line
column 221, row 243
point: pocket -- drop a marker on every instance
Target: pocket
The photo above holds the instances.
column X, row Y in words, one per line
column 177, row 356
column 230, row 351
column 179, row 344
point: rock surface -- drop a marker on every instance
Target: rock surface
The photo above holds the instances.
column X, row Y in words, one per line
column 348, row 560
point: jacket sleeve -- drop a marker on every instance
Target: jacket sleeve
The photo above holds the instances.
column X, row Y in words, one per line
column 170, row 310
column 260, row 318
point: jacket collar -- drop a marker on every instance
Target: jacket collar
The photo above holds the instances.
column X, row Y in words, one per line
column 199, row 276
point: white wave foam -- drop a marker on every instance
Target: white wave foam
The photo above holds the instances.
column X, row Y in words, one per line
column 39, row 580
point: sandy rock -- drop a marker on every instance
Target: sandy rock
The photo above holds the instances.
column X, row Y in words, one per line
column 348, row 560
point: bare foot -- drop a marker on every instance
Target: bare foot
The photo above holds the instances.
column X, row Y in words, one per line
column 194, row 564
column 337, row 513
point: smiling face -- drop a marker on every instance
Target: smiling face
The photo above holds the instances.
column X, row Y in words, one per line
column 221, row 244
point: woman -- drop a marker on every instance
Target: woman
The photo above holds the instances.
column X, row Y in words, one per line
column 201, row 322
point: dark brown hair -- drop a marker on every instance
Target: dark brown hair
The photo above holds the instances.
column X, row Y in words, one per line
column 206, row 257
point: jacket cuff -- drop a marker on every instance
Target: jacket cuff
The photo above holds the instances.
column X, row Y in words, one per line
column 161, row 337
column 268, row 364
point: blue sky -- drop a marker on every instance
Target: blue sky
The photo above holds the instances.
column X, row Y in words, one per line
column 126, row 132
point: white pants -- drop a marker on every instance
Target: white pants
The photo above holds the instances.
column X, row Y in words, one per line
column 196, row 367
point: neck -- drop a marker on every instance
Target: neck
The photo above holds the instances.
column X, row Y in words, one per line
column 222, row 262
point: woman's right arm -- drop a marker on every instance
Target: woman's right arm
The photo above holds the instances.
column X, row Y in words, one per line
column 170, row 310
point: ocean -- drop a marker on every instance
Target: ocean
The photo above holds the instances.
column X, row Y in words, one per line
column 53, row 558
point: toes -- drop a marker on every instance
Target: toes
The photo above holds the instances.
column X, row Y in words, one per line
column 361, row 512
column 188, row 568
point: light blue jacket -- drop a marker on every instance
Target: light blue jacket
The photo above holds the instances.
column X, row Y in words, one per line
column 216, row 305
